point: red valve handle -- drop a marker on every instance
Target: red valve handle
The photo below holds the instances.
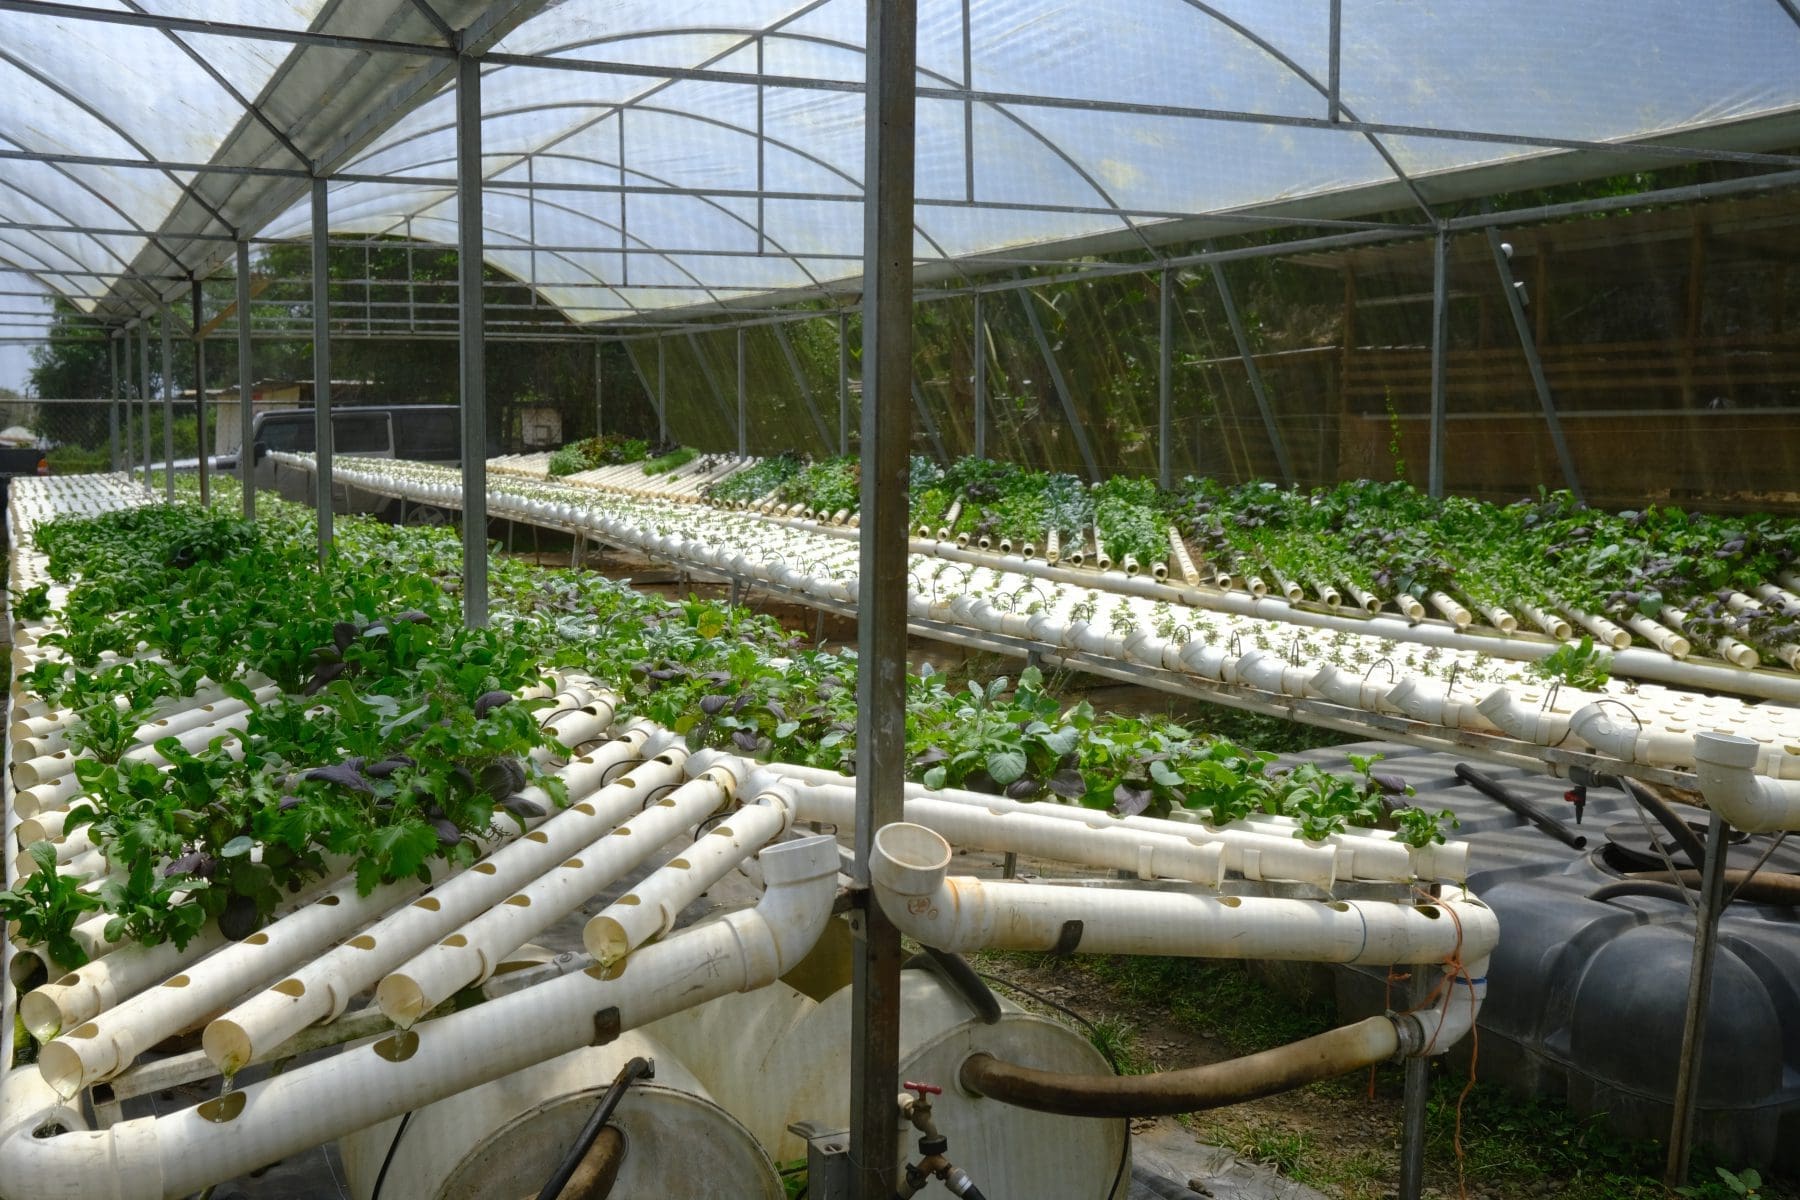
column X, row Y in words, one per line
column 922, row 1088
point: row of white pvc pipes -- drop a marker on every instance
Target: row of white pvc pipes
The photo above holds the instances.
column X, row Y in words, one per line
column 1448, row 683
column 1666, row 632
column 634, row 790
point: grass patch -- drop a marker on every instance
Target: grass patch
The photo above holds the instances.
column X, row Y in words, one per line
column 1510, row 1146
column 1214, row 999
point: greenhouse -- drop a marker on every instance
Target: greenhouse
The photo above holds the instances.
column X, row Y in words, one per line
column 1147, row 598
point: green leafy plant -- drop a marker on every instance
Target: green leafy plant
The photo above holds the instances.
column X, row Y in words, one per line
column 1581, row 666
column 33, row 604
column 663, row 464
column 47, row 905
column 1729, row 1186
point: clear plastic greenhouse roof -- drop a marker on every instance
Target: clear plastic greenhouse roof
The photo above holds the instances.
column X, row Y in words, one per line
column 1045, row 127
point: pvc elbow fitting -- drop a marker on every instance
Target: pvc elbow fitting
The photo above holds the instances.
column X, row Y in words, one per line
column 799, row 880
column 1434, row 1030
column 1754, row 803
column 1542, row 726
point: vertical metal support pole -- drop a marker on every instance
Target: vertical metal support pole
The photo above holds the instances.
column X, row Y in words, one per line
column 843, row 336
column 1693, row 1030
column 743, row 428
column 1061, row 385
column 112, row 410
column 1165, row 379
column 1334, row 88
column 1527, row 343
column 978, row 385
column 469, row 264
column 126, row 391
column 321, row 314
column 1236, row 321
column 1440, row 301
column 662, row 393
column 200, row 442
column 144, row 392
column 600, row 409
column 1413, row 1105
column 168, row 386
column 891, row 51
column 246, row 385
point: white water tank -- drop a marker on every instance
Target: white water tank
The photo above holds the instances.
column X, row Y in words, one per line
column 505, row 1138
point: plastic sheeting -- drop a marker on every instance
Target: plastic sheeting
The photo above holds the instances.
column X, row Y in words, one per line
column 722, row 191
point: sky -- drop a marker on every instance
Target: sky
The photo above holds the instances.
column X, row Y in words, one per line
column 15, row 358
column 15, row 364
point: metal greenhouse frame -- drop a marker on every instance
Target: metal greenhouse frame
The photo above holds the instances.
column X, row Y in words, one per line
column 656, row 176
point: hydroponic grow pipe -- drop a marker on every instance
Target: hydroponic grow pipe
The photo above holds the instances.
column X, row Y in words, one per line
column 909, row 871
column 111, row 1041
column 1261, row 847
column 474, row 951
column 321, row 989
column 152, row 1157
column 575, row 510
column 120, row 971
column 650, row 908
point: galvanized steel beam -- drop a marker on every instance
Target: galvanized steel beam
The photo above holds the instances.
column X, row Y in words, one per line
column 1440, row 303
column 321, row 315
column 890, row 64
column 246, row 385
column 473, row 360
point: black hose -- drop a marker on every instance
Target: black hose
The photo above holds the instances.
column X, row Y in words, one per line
column 1680, row 830
column 388, row 1160
column 1521, row 806
column 631, row 1072
column 1639, row 887
column 961, row 978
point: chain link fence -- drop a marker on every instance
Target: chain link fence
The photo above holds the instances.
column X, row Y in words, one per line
column 85, row 437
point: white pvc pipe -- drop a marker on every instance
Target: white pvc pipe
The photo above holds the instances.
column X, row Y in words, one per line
column 1098, row 841
column 1753, row 803
column 472, row 953
column 909, row 871
column 1259, row 849
column 321, row 989
column 151, row 1157
column 110, row 1042
column 1630, row 742
column 649, row 909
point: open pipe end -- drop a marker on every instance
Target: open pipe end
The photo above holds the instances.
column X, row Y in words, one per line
column 227, row 1044
column 909, row 859
column 61, row 1068
column 606, row 940
column 40, row 1013
column 401, row 1000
